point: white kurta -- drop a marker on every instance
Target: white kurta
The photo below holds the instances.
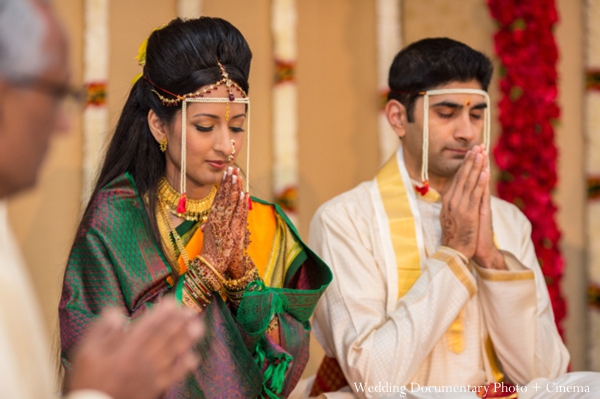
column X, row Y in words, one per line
column 25, row 360
column 378, row 338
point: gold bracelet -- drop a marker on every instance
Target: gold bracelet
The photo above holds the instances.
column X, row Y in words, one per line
column 221, row 278
column 241, row 283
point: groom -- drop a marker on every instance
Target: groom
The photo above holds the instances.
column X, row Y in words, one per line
column 436, row 282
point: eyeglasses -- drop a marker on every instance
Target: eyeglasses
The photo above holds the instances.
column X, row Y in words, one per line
column 62, row 92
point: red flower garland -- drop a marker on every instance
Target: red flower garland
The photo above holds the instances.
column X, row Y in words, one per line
column 525, row 152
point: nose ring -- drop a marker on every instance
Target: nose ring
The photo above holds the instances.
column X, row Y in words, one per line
column 230, row 157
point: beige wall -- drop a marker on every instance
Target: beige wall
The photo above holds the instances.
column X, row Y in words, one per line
column 338, row 98
column 337, row 82
column 570, row 195
column 337, row 108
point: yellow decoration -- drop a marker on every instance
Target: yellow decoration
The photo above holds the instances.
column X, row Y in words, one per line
column 136, row 78
column 141, row 55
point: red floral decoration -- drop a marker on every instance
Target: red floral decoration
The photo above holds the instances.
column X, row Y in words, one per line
column 525, row 153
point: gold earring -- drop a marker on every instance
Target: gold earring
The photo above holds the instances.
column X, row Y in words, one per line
column 163, row 144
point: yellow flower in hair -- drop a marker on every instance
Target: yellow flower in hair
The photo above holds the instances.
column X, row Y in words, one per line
column 136, row 78
column 141, row 56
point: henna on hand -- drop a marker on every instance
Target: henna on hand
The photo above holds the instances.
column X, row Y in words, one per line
column 226, row 227
column 218, row 241
column 248, row 262
column 239, row 229
column 448, row 227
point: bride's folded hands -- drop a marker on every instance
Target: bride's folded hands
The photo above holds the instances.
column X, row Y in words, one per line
column 225, row 228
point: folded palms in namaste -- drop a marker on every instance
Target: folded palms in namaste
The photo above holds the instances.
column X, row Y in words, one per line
column 225, row 234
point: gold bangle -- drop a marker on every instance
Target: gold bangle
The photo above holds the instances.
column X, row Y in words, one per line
column 201, row 278
column 221, row 278
column 234, row 285
column 212, row 282
column 201, row 298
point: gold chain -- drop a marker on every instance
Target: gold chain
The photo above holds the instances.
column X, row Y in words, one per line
column 178, row 243
column 196, row 210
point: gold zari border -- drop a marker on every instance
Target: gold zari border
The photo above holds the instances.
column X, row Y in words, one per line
column 458, row 269
column 504, row 275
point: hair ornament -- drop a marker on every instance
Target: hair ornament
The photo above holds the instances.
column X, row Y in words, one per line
column 141, row 55
column 177, row 98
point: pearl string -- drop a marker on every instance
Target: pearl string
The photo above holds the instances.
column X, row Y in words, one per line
column 486, row 126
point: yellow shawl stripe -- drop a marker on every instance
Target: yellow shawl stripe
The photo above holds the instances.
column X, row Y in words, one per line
column 493, row 360
column 404, row 242
column 402, row 225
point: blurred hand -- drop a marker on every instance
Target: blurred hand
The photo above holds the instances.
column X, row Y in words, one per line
column 139, row 361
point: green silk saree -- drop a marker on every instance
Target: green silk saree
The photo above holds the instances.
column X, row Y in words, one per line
column 115, row 262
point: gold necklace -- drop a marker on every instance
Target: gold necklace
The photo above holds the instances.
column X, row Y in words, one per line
column 195, row 209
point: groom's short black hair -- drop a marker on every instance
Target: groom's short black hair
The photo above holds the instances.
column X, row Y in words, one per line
column 429, row 63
